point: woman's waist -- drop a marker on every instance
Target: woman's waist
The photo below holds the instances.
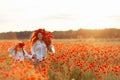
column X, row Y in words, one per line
column 40, row 52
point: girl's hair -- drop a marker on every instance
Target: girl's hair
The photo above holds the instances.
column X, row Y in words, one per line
column 46, row 36
column 20, row 45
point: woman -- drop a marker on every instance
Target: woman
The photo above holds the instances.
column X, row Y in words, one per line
column 18, row 52
column 40, row 41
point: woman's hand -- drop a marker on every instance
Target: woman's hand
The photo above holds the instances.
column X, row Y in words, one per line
column 52, row 49
column 34, row 56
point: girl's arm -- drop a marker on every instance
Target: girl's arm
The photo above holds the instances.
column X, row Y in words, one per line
column 12, row 51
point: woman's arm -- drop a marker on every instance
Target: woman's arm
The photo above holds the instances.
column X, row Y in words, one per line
column 33, row 51
column 52, row 48
column 27, row 55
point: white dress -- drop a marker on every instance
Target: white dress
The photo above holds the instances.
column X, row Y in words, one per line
column 40, row 49
column 19, row 54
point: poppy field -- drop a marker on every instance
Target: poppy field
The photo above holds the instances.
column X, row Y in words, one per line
column 71, row 61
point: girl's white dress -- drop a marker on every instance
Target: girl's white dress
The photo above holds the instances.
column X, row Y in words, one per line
column 19, row 54
column 39, row 49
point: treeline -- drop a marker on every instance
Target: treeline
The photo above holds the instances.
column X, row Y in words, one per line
column 87, row 33
column 81, row 33
column 16, row 35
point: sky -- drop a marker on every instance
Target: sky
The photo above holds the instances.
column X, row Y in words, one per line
column 56, row 15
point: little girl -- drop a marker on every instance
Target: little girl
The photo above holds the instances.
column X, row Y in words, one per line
column 18, row 52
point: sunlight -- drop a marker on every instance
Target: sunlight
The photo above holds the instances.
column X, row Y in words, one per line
column 93, row 22
column 87, row 14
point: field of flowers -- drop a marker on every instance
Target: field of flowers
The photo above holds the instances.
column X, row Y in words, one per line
column 72, row 61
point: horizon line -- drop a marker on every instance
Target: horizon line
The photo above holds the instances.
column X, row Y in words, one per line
column 61, row 30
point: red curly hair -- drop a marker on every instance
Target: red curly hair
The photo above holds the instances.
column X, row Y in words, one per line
column 19, row 45
column 46, row 36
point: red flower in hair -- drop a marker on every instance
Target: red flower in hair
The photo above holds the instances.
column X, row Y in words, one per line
column 40, row 31
column 21, row 44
